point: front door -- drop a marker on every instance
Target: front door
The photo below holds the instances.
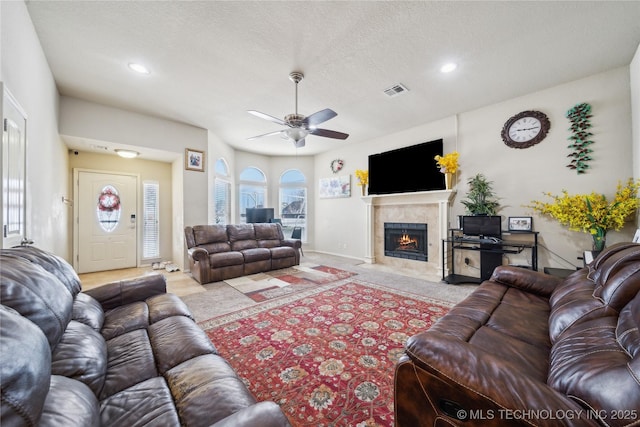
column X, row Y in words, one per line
column 106, row 221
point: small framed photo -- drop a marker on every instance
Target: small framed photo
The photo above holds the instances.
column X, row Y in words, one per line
column 194, row 160
column 520, row 223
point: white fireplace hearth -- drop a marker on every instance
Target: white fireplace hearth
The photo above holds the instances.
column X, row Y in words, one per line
column 428, row 207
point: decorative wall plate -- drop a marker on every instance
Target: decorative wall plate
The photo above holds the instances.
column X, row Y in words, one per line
column 337, row 165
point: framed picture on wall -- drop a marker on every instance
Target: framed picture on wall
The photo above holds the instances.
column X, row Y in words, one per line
column 520, row 223
column 337, row 186
column 194, row 160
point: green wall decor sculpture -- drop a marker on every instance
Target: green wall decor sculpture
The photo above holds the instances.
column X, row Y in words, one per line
column 579, row 117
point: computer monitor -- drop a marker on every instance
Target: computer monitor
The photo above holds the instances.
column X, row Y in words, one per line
column 482, row 226
column 259, row 215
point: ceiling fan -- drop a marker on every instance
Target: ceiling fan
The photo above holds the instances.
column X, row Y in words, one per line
column 299, row 126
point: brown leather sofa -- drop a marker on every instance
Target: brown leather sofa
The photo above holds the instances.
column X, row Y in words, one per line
column 529, row 349
column 123, row 354
column 219, row 252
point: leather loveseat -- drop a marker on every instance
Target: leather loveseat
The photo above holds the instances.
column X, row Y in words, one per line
column 529, row 349
column 123, row 354
column 219, row 252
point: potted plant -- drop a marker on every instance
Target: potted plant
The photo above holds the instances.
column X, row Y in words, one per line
column 481, row 200
column 592, row 213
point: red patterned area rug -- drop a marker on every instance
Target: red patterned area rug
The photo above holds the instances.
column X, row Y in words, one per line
column 325, row 355
column 277, row 283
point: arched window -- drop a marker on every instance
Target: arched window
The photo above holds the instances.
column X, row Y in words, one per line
column 293, row 202
column 221, row 210
column 252, row 189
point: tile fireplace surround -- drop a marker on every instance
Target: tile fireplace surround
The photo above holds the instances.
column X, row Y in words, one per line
column 429, row 207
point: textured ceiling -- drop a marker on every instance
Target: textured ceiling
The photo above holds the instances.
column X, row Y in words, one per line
column 211, row 61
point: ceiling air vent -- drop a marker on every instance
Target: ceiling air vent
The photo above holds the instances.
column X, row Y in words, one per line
column 396, row 90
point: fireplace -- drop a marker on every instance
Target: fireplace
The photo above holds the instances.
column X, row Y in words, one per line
column 405, row 240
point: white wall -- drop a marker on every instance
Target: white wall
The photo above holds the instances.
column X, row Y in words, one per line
column 519, row 175
column 634, row 78
column 25, row 72
column 83, row 119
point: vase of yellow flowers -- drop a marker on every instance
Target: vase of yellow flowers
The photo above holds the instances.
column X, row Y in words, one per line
column 363, row 179
column 592, row 213
column 448, row 165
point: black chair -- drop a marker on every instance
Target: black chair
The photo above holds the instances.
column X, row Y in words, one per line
column 297, row 234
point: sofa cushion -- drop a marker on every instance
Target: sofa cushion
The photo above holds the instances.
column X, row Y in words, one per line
column 166, row 305
column 282, row 252
column 207, row 390
column 268, row 231
column 148, row 403
column 88, row 311
column 589, row 365
column 226, row 259
column 177, row 339
column 212, row 238
column 126, row 318
column 25, row 375
column 256, row 254
column 130, row 361
column 36, row 294
column 620, row 280
column 204, row 234
column 81, row 355
column 70, row 403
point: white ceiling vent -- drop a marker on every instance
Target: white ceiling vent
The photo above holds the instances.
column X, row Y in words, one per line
column 395, row 90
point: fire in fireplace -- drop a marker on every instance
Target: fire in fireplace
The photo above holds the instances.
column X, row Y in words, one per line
column 405, row 240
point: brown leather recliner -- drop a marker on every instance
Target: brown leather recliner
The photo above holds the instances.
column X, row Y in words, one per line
column 527, row 348
column 218, row 252
column 123, row 354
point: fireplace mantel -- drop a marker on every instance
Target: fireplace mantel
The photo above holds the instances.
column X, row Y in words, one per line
column 441, row 198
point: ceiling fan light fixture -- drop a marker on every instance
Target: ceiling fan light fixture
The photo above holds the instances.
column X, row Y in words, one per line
column 127, row 154
column 296, row 134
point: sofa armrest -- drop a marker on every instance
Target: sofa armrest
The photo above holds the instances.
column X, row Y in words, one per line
column 294, row 243
column 526, row 280
column 481, row 380
column 123, row 292
column 199, row 254
column 264, row 414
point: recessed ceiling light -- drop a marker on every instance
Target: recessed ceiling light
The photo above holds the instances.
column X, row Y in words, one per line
column 139, row 68
column 127, row 154
column 447, row 68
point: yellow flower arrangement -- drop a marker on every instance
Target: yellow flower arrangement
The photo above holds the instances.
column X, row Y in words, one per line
column 448, row 163
column 592, row 213
column 363, row 177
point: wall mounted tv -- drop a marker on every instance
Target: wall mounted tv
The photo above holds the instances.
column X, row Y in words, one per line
column 406, row 170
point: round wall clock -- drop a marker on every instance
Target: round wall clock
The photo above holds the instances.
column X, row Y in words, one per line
column 337, row 165
column 525, row 129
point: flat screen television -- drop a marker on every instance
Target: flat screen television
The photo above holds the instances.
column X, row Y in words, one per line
column 406, row 170
column 259, row 215
column 482, row 226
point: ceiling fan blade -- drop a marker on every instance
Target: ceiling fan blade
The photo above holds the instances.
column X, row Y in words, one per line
column 329, row 133
column 268, row 117
column 299, row 144
column 319, row 117
column 265, row 134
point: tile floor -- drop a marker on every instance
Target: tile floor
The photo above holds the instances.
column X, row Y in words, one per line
column 178, row 283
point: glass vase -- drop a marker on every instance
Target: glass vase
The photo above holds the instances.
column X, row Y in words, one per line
column 599, row 240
